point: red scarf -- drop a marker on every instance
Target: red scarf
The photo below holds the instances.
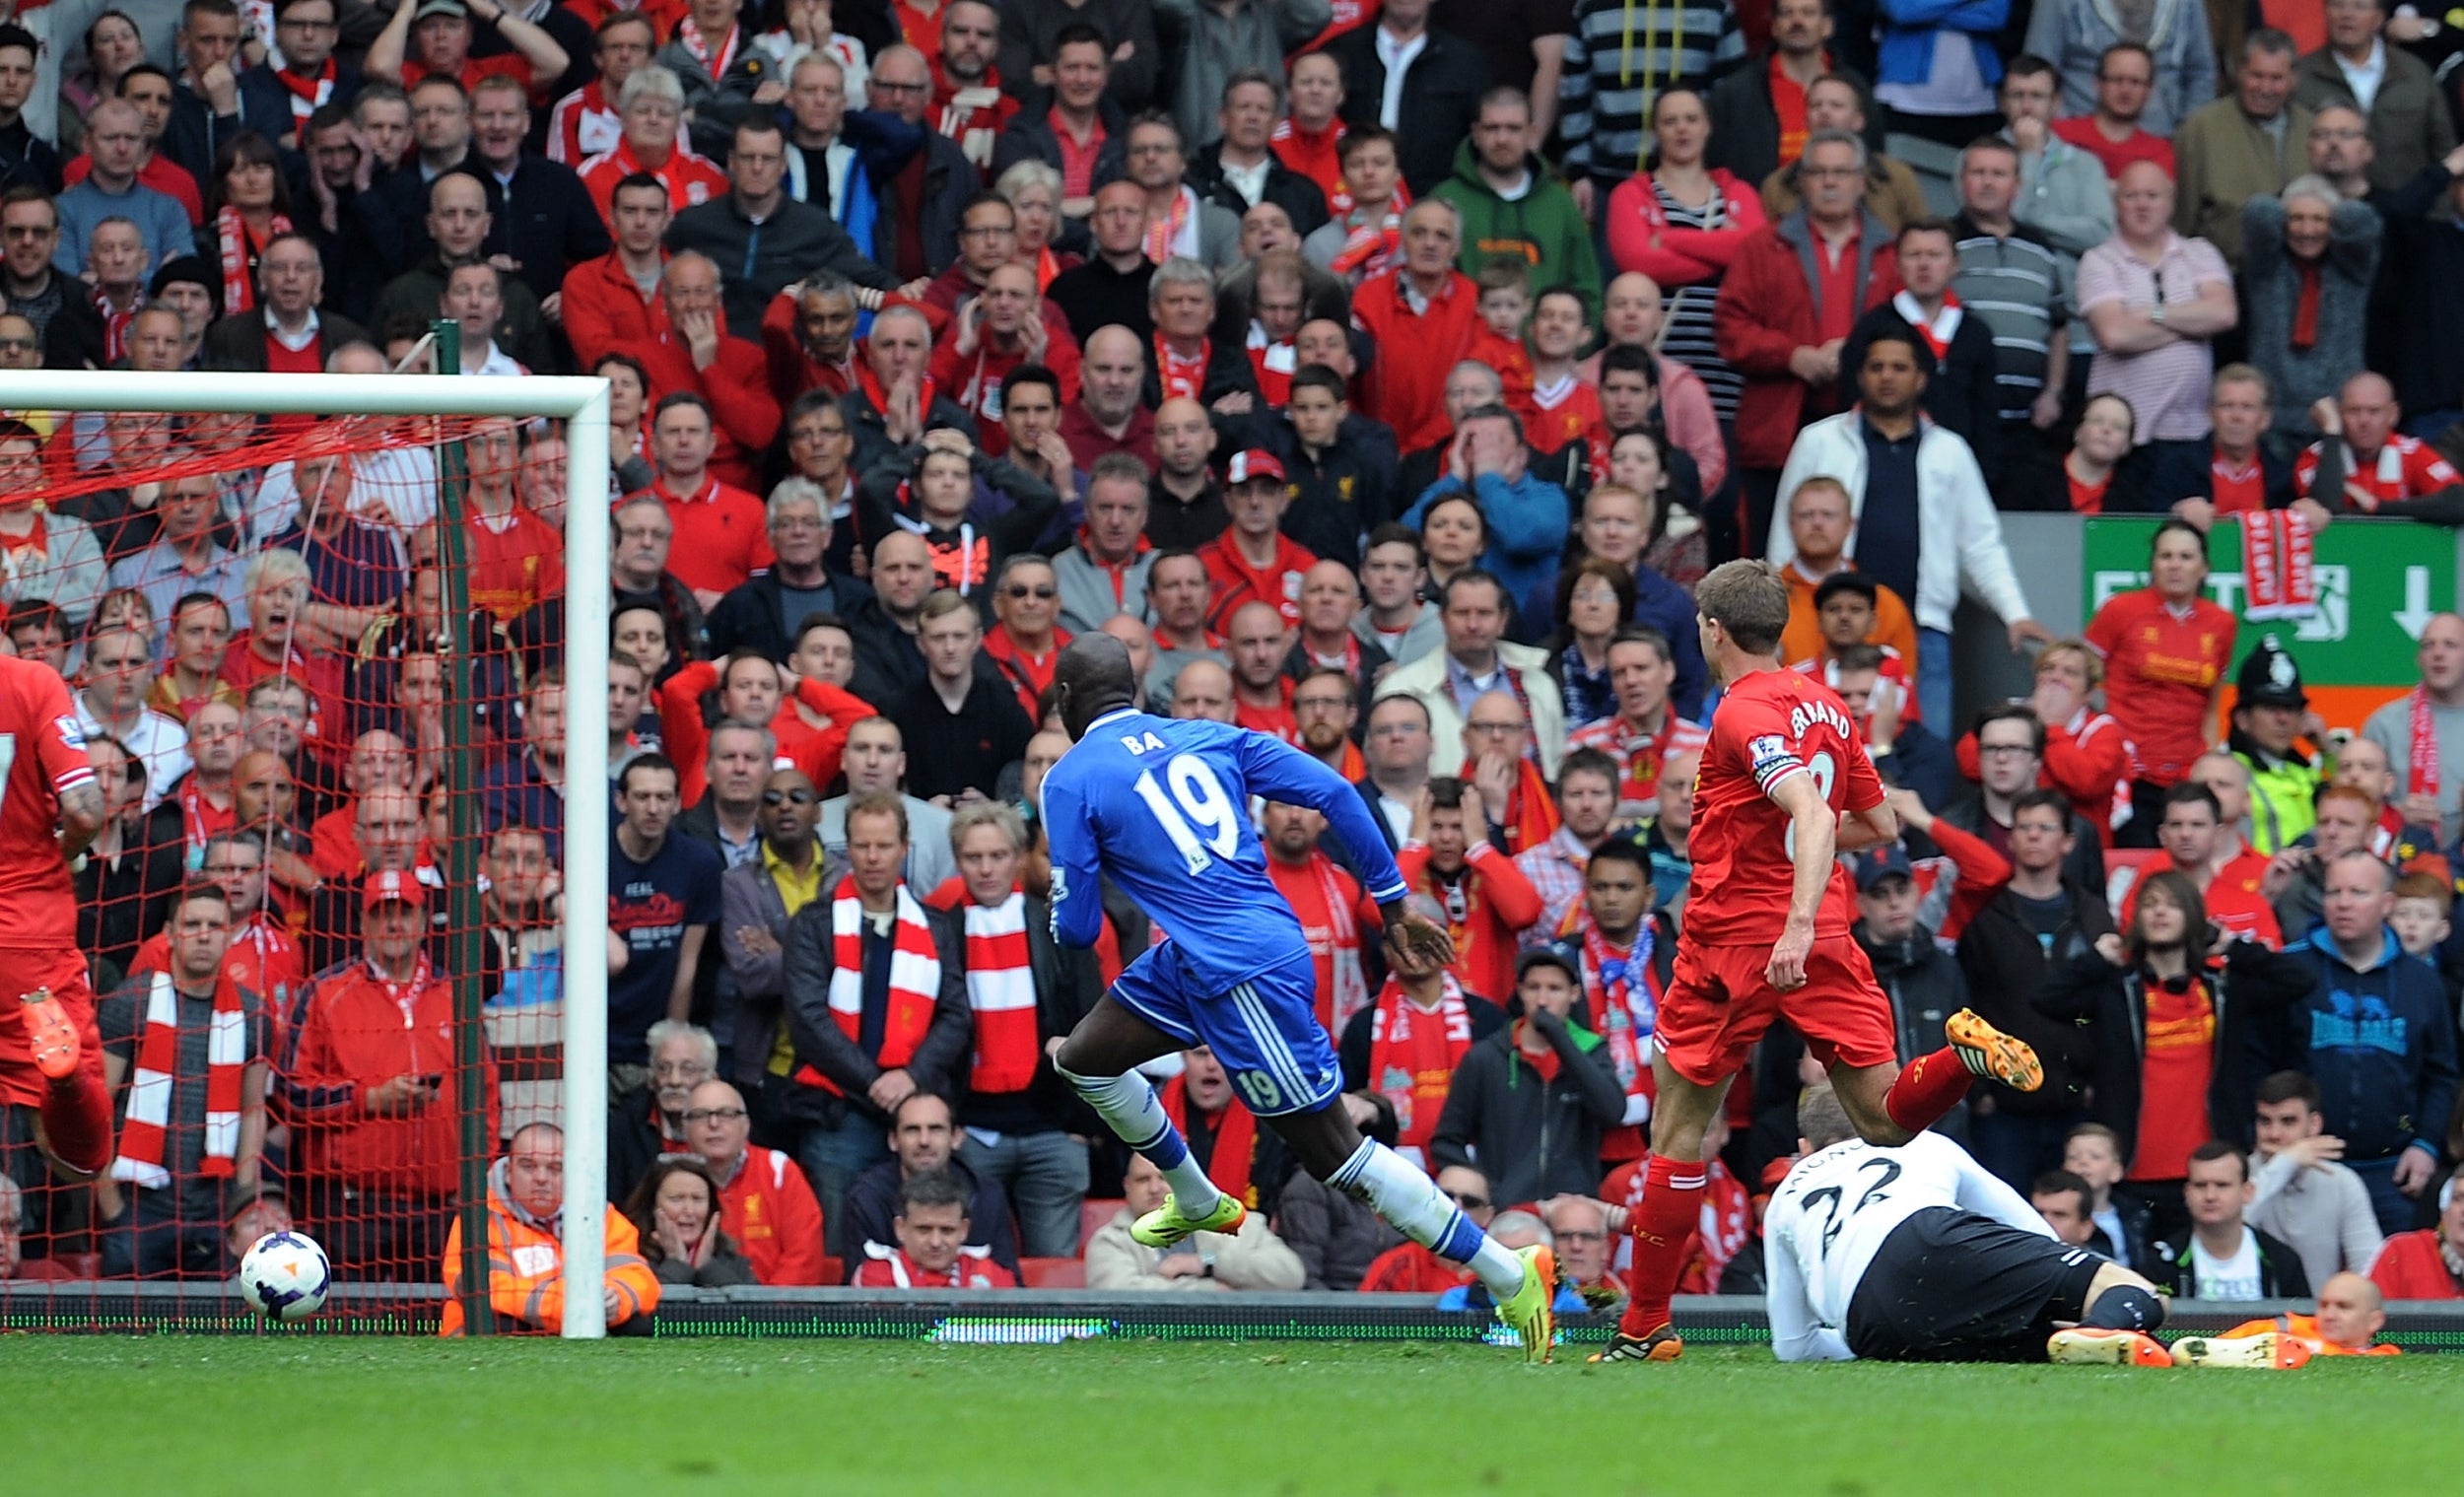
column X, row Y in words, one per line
column 1163, row 231
column 199, row 817
column 1046, row 267
column 240, row 287
column 914, row 983
column 1032, row 675
column 1529, row 815
column 1351, row 986
column 1000, row 993
column 306, row 94
column 870, row 383
column 1937, row 330
column 149, row 1120
column 1369, row 250
column 1274, row 363
column 2422, row 764
column 1236, row 1140
column 1625, row 1008
column 690, row 36
column 1182, row 378
column 2305, row 307
column 1412, row 1064
column 2277, row 566
column 116, row 321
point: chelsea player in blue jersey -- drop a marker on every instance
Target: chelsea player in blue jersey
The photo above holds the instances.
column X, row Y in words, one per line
column 1162, row 807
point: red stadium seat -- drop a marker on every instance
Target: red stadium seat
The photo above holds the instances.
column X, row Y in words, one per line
column 1053, row 1272
column 1093, row 1218
column 833, row 1271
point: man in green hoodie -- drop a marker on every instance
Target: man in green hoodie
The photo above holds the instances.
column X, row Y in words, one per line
column 1511, row 207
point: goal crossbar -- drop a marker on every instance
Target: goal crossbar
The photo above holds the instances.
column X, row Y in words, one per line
column 581, row 402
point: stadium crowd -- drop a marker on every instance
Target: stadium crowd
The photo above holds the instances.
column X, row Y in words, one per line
column 1384, row 377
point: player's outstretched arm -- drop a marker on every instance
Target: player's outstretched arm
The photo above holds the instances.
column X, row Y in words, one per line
column 1077, row 897
column 1797, row 1331
column 1276, row 770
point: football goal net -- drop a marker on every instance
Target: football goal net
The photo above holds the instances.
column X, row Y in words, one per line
column 338, row 648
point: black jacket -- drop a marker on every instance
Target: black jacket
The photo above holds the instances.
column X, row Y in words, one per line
column 1029, row 137
column 752, row 617
column 1925, row 985
column 237, row 343
column 888, row 660
column 2011, row 986
column 545, row 221
column 2137, row 1223
column 634, row 1143
column 872, row 1204
column 949, row 180
column 28, row 160
column 882, row 506
column 524, row 332
column 1746, row 124
column 1533, row 1139
column 2251, row 991
column 2280, row 1270
column 72, row 335
column 1441, row 97
column 796, row 240
column 1296, row 194
column 2419, row 340
column 1340, row 493
column 196, row 134
column 356, row 253
column 1094, row 295
column 2176, row 473
column 1920, row 760
column 822, row 1045
column 2083, row 867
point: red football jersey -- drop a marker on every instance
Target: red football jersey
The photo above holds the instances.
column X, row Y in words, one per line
column 42, row 755
column 1772, row 725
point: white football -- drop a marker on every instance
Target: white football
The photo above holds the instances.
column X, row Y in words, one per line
column 285, row 1277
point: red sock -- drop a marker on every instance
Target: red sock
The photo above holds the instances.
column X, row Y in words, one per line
column 1931, row 1086
column 77, row 1120
column 1663, row 1225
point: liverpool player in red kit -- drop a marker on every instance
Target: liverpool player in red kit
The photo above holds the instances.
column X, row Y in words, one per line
column 1785, row 787
column 51, row 808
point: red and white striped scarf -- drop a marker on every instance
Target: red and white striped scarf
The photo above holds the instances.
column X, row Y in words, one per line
column 2421, row 753
column 307, row 94
column 231, row 232
column 2277, row 566
column 1001, row 993
column 700, row 48
column 149, row 1120
column 1351, row 985
column 914, row 982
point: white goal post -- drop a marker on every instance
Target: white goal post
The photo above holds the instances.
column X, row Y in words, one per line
column 583, row 404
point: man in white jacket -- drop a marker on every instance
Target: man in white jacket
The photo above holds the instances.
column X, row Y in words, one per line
column 2320, row 1208
column 1925, row 521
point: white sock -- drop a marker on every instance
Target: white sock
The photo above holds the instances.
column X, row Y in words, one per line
column 1127, row 1106
column 1406, row 1197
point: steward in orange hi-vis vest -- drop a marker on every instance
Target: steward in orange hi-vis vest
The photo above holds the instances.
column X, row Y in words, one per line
column 526, row 1269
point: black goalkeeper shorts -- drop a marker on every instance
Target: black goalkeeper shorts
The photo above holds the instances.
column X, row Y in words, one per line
column 1954, row 1286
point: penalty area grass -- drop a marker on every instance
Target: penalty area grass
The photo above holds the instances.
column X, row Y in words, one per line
column 200, row 1414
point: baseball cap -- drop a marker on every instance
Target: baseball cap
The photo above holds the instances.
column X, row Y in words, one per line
column 427, row 8
column 392, row 885
column 2270, row 677
column 1256, row 462
column 1547, row 956
column 1881, row 863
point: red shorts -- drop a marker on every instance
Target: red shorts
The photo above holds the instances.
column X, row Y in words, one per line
column 1719, row 1003
column 64, row 972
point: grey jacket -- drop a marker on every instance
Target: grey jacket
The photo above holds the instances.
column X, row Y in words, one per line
column 2073, row 34
column 1213, row 46
column 2271, row 286
column 749, row 897
column 808, row 963
column 1426, row 634
column 1088, row 594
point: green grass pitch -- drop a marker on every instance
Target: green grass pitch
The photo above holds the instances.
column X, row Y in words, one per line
column 342, row 1415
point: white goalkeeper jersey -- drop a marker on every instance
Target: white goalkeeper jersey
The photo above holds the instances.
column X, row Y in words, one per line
column 1830, row 1215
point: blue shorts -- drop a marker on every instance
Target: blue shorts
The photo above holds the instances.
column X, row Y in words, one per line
column 1264, row 1031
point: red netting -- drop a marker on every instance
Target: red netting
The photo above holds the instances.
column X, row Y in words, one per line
column 317, row 665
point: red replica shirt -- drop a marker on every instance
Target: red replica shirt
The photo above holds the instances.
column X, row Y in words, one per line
column 723, row 535
column 2178, row 1063
column 1312, row 154
column 1565, row 414
column 772, row 1215
column 1772, row 726
column 1236, row 582
column 1639, row 753
column 890, row 1268
column 515, row 563
column 2235, row 900
column 2235, row 488
column 46, row 759
column 2406, row 468
column 2161, row 667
